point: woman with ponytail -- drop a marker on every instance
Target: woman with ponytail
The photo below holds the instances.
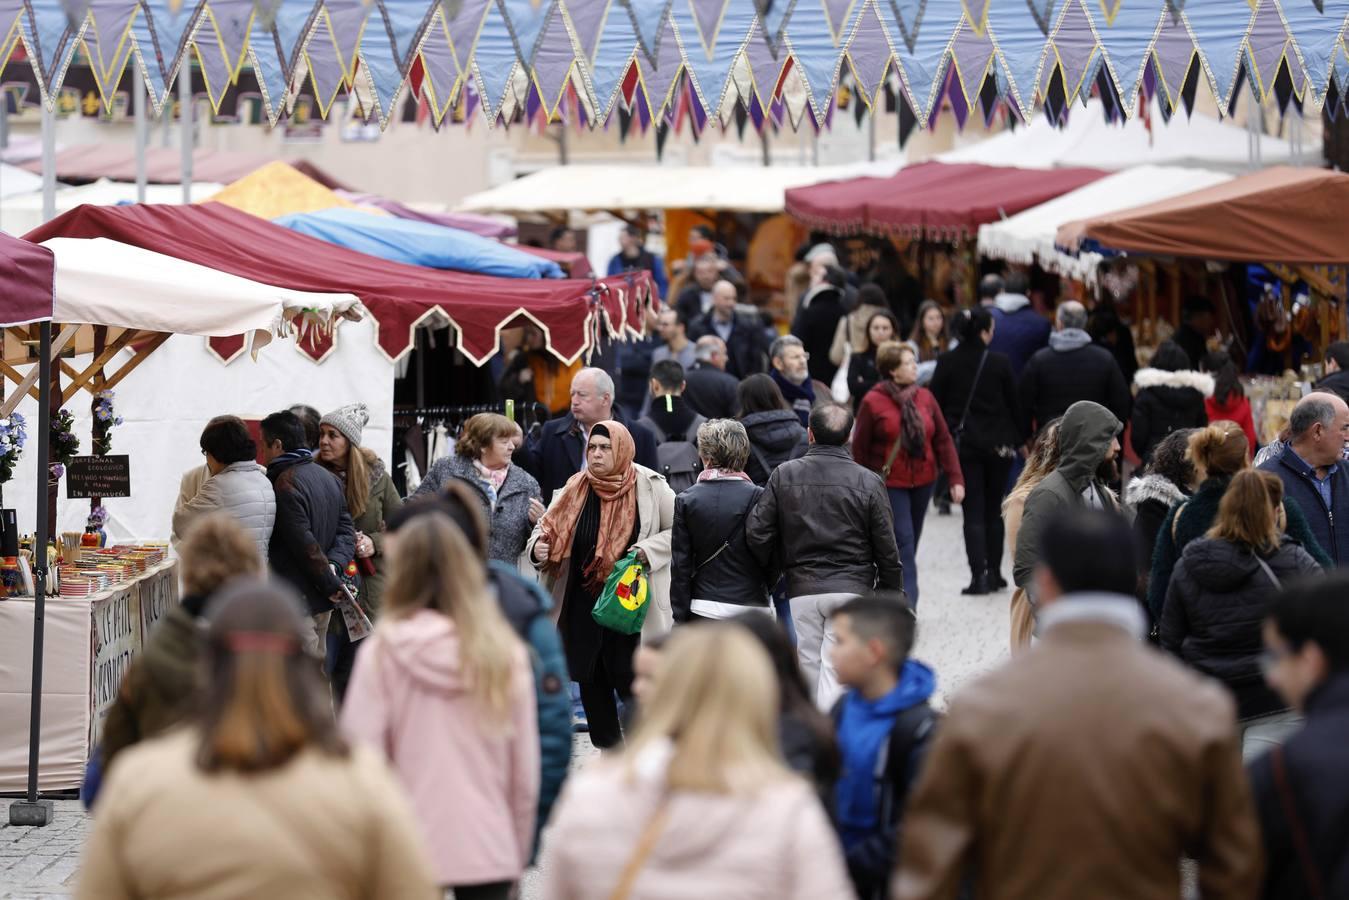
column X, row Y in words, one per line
column 445, row 689
column 258, row 796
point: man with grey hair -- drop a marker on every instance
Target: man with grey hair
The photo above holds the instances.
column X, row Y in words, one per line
column 1313, row 469
column 708, row 390
column 557, row 451
column 742, row 332
column 791, row 373
column 1069, row 370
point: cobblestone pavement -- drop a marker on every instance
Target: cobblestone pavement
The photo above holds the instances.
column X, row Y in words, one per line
column 961, row 637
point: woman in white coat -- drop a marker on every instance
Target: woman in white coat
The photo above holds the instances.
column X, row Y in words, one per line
column 610, row 507
column 236, row 485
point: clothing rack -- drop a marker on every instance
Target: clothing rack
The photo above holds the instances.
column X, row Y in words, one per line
column 526, row 414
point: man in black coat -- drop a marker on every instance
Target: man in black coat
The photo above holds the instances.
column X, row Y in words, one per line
column 1070, row 369
column 708, row 390
column 313, row 538
column 1314, row 473
column 745, row 337
column 1301, row 791
column 1336, row 379
column 558, row 451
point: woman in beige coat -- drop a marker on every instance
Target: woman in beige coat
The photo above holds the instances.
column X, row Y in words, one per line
column 700, row 803
column 259, row 797
column 1043, row 459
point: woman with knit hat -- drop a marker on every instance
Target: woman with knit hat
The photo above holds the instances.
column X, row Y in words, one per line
column 610, row 507
column 371, row 499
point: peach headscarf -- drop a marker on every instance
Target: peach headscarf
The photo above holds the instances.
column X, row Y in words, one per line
column 617, row 490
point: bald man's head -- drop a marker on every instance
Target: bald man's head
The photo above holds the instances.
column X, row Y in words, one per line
column 1318, row 428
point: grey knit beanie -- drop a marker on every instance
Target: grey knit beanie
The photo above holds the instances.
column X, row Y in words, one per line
column 350, row 420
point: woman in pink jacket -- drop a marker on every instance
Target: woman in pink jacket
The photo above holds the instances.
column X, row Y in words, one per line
column 700, row 803
column 444, row 688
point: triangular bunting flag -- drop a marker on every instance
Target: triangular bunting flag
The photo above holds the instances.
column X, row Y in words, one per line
column 107, row 41
column 553, row 61
column 773, row 18
column 1172, row 57
column 1074, row 47
column 526, row 20
column 707, row 16
column 588, row 22
column 658, row 77
column 1222, row 44
column 51, row 39
column 1316, row 33
column 648, row 21
column 869, row 52
column 1266, row 43
column 161, row 33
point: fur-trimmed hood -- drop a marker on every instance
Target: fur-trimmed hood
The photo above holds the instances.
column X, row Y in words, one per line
column 1152, row 487
column 1153, row 378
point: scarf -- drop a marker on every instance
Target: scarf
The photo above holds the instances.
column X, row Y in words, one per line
column 863, row 726
column 617, row 490
column 913, row 437
column 723, row 475
column 800, row 397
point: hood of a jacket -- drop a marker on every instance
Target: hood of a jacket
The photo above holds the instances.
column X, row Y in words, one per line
column 1153, row 487
column 1085, row 436
column 676, row 421
column 1160, row 378
column 425, row 647
column 1068, row 339
column 1219, row 565
column 287, row 460
column 776, row 430
column 1010, row 303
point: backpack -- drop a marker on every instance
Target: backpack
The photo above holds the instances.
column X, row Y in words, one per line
column 676, row 455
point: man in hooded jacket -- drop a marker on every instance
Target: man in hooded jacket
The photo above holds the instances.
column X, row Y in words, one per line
column 1089, row 438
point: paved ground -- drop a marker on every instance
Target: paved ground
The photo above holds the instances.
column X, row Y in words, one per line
column 959, row 636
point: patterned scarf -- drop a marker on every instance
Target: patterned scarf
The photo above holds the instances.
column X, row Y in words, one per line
column 914, row 436
column 617, row 490
column 723, row 475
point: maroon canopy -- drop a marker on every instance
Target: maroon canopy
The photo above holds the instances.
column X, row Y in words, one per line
column 163, row 165
column 939, row 201
column 399, row 297
column 27, row 272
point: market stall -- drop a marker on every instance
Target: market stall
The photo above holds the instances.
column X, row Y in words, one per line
column 21, row 214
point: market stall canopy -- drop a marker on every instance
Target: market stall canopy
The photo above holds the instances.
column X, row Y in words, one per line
column 398, row 297
column 486, row 226
column 26, row 275
column 576, row 263
column 116, row 161
column 935, row 201
column 1088, row 139
column 1028, row 237
column 14, row 181
column 279, row 189
column 1278, row 215
column 19, row 215
column 419, row 243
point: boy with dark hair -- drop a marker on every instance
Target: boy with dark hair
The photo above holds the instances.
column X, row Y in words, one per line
column 883, row 725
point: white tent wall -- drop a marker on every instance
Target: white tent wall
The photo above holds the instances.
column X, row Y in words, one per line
column 22, row 213
column 170, row 397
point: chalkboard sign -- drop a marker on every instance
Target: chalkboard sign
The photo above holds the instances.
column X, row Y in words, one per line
column 98, row 476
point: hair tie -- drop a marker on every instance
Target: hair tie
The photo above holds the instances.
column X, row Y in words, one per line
column 260, row 642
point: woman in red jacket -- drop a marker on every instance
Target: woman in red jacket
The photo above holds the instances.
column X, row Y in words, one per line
column 902, row 434
column 1228, row 400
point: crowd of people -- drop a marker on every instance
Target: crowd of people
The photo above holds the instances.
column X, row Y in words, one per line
column 765, row 730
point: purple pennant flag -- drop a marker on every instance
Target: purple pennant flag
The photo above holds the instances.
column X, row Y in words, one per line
column 533, row 103
column 1267, row 41
column 588, row 20
column 107, row 41
column 970, row 56
column 659, row 76
column 553, row 60
column 959, row 108
column 756, row 113
column 1173, row 55
column 707, row 14
column 345, row 20
column 764, row 66
column 778, row 110
column 1076, row 44
column 643, row 110
column 870, row 53
column 699, row 113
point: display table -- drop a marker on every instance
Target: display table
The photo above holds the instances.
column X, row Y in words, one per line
column 88, row 644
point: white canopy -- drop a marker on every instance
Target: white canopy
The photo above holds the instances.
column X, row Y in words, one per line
column 105, row 282
column 14, row 181
column 1029, row 236
column 752, row 189
column 1089, row 140
column 21, row 214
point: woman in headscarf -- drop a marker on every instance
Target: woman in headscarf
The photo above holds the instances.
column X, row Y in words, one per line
column 611, row 506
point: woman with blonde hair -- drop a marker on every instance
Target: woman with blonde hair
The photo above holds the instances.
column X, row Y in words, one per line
column 700, row 803
column 259, row 796
column 1218, row 452
column 1221, row 592
column 445, row 689
column 1043, row 459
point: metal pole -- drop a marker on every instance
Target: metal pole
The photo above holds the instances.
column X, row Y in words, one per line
column 185, row 123
column 31, row 810
column 48, row 163
column 871, row 134
column 142, row 130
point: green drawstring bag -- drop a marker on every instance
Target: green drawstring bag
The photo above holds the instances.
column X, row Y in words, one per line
column 622, row 604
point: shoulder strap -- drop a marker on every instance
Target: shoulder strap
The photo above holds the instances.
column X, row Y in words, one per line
column 894, row 448
column 646, row 842
column 740, row 523
column 1278, row 585
column 759, row 458
column 1175, row 519
column 974, row 385
column 1311, row 873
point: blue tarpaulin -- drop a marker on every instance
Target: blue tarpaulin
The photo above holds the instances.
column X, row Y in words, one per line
column 419, row 243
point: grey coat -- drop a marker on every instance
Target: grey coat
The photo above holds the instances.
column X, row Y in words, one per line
column 509, row 521
column 240, row 489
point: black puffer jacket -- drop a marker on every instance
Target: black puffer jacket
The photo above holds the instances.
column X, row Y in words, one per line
column 774, row 437
column 1070, row 369
column 830, row 521
column 1167, row 402
column 313, row 529
column 1215, row 608
column 707, row 517
column 991, row 422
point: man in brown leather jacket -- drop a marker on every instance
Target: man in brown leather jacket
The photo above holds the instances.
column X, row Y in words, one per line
column 1090, row 765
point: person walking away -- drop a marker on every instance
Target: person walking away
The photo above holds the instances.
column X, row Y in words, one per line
column 775, row 432
column 700, row 803
column 164, row 679
column 1198, row 321
column 1220, row 594
column 791, row 374
column 285, row 807
column 1167, row 480
column 445, row 690
column 1301, row 795
column 236, row 485
column 313, row 538
column 902, row 435
column 509, row 496
column 312, row 422
column 708, row 390
column 885, row 726
column 1229, row 400
column 829, row 520
column 817, row 320
column 862, row 374
column 673, row 426
column 1070, row 369
column 558, row 451
column 1336, row 366
column 1314, row 472
column 632, row 256
column 1170, row 397
column 977, row 393
column 713, row 575
column 371, row 499
column 1142, row 754
column 1043, row 459
column 743, row 333
column 613, row 506
column 1019, row 331
column 1088, row 462
column 1218, row 452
